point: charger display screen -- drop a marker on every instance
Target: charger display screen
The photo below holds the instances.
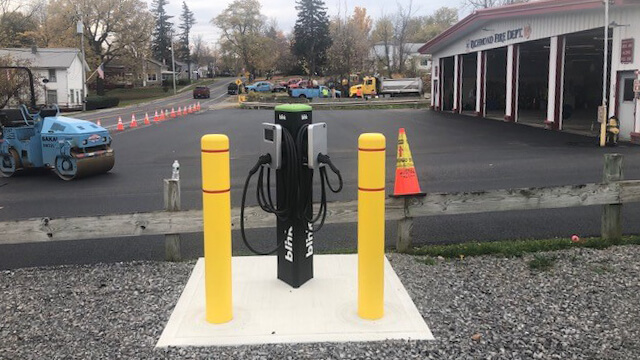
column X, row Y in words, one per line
column 268, row 134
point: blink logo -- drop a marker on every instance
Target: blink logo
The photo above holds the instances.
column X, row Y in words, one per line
column 282, row 117
column 309, row 241
column 288, row 245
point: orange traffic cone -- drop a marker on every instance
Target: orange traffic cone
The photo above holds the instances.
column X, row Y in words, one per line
column 173, row 113
column 99, row 123
column 156, row 118
column 406, row 178
column 189, row 111
column 198, row 106
column 179, row 111
column 146, row 119
column 162, row 117
column 120, row 125
column 133, row 123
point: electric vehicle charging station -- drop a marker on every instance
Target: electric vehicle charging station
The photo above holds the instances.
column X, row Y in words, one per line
column 362, row 297
column 296, row 149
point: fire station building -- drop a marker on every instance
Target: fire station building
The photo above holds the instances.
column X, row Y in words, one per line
column 541, row 63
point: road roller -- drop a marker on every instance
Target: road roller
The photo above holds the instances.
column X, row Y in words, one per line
column 33, row 137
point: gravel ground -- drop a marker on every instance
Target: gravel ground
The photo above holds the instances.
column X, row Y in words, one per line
column 584, row 307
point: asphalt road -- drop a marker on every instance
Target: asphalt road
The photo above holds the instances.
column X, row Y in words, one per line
column 109, row 117
column 451, row 153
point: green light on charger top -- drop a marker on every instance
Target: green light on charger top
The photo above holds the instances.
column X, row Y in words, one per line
column 293, row 108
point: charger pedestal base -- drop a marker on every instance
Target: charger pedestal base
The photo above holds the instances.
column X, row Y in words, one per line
column 268, row 311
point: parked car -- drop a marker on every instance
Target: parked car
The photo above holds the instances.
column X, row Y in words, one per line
column 201, row 92
column 287, row 83
column 278, row 88
column 261, row 86
column 301, row 84
column 232, row 88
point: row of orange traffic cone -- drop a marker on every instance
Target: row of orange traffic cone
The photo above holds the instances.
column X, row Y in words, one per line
column 163, row 115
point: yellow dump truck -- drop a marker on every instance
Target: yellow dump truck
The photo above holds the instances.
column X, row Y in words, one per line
column 372, row 86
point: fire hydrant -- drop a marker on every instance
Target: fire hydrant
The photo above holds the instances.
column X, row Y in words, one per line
column 613, row 129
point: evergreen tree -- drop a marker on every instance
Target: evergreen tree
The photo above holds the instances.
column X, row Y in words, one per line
column 187, row 20
column 311, row 34
column 161, row 37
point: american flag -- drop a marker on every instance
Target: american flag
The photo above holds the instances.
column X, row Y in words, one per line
column 100, row 72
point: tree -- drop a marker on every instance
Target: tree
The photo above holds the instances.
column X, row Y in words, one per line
column 425, row 28
column 383, row 34
column 351, row 44
column 403, row 20
column 14, row 84
column 311, row 34
column 162, row 32
column 483, row 4
column 17, row 24
column 242, row 38
column 111, row 28
column 187, row 20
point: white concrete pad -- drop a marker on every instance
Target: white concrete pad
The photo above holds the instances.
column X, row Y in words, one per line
column 268, row 311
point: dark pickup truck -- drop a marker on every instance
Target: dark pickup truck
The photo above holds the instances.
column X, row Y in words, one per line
column 201, row 92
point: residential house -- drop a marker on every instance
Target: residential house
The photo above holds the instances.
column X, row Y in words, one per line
column 415, row 61
column 154, row 70
column 61, row 67
column 149, row 73
column 182, row 70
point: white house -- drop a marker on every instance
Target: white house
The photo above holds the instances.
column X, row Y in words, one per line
column 62, row 67
column 414, row 59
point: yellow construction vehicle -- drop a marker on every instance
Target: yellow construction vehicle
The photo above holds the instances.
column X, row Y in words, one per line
column 372, row 86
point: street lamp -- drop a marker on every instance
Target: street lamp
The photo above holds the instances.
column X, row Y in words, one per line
column 173, row 61
column 80, row 31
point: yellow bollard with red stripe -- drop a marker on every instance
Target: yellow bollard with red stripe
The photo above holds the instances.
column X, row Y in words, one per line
column 371, row 196
column 216, row 212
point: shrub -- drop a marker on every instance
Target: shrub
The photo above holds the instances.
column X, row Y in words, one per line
column 101, row 102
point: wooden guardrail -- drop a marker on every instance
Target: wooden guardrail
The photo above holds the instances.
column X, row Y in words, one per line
column 612, row 193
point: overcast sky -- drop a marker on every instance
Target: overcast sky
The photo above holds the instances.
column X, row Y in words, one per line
column 285, row 13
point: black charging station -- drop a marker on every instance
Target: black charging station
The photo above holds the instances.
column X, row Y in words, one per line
column 296, row 149
column 295, row 257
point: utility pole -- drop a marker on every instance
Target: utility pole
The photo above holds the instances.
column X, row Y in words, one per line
column 80, row 30
column 173, row 61
column 605, row 113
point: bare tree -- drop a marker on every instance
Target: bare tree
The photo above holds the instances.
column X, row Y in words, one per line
column 483, row 4
column 383, row 36
column 14, row 84
column 18, row 23
column 401, row 27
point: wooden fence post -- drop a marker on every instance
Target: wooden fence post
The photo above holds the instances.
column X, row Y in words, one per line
column 612, row 214
column 405, row 225
column 172, row 203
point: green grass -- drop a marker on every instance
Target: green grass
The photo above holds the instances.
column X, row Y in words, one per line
column 138, row 95
column 518, row 248
column 429, row 261
column 541, row 262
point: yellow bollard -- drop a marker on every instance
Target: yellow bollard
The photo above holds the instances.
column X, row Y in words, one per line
column 371, row 195
column 216, row 210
